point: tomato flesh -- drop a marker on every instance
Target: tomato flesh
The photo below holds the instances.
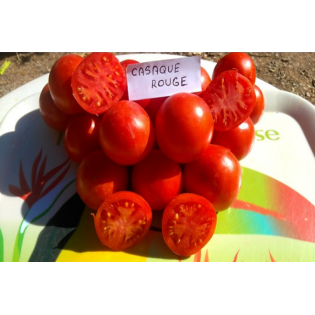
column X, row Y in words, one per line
column 122, row 220
column 188, row 223
column 231, row 98
column 98, row 82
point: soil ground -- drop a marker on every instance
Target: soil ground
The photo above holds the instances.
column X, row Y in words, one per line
column 292, row 72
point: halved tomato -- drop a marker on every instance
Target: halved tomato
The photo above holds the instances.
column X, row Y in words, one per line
column 98, row 82
column 188, row 224
column 122, row 220
column 231, row 98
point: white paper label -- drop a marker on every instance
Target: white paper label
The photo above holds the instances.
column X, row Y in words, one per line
column 163, row 78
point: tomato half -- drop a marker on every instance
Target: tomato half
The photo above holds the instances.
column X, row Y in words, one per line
column 259, row 107
column 126, row 133
column 122, row 220
column 188, row 224
column 239, row 140
column 239, row 61
column 157, row 179
column 59, row 81
column 184, row 127
column 52, row 115
column 231, row 98
column 98, row 82
column 81, row 136
column 215, row 175
column 98, row 177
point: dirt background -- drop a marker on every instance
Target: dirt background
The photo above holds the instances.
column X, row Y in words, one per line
column 292, row 72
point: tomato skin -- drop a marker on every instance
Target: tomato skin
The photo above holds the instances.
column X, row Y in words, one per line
column 215, row 175
column 205, row 80
column 259, row 107
column 122, row 220
column 125, row 64
column 126, row 133
column 239, row 140
column 81, row 136
column 60, row 84
column 52, row 115
column 157, row 179
column 240, row 61
column 153, row 107
column 98, row 177
column 231, row 98
column 98, row 82
column 188, row 224
column 184, row 127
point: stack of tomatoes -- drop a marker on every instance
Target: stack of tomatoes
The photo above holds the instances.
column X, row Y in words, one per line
column 178, row 155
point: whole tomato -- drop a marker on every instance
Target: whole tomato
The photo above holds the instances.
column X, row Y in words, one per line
column 81, row 136
column 184, row 127
column 239, row 140
column 239, row 61
column 215, row 175
column 98, row 177
column 126, row 133
column 60, row 84
column 259, row 107
column 52, row 115
column 157, row 179
column 205, row 80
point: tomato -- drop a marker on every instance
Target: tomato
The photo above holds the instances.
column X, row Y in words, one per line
column 239, row 140
column 188, row 224
column 215, row 175
column 184, row 127
column 157, row 179
column 125, row 64
column 122, row 220
column 239, row 61
column 59, row 81
column 231, row 98
column 98, row 177
column 98, row 82
column 259, row 107
column 52, row 115
column 205, row 80
column 126, row 133
column 81, row 136
column 153, row 107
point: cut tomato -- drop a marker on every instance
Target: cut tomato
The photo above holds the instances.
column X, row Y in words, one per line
column 122, row 220
column 98, row 82
column 188, row 223
column 231, row 98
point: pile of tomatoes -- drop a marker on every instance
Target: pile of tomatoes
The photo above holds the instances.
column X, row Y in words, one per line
column 177, row 155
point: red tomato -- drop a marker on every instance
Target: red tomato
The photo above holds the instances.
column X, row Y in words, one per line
column 122, row 220
column 239, row 61
column 231, row 98
column 98, row 177
column 60, row 84
column 239, row 140
column 205, row 80
column 98, row 82
column 259, row 107
column 184, row 127
column 157, row 179
column 188, row 224
column 125, row 64
column 126, row 133
column 52, row 115
column 153, row 107
column 215, row 175
column 81, row 136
